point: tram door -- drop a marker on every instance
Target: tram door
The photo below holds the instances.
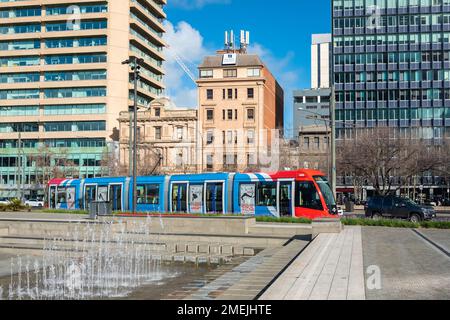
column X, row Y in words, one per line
column 285, row 196
column 115, row 196
column 90, row 195
column 214, row 198
column 52, row 197
column 179, row 197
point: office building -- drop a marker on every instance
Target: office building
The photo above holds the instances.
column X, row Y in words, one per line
column 391, row 68
column 320, row 61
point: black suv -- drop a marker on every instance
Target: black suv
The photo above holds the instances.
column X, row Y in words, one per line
column 400, row 208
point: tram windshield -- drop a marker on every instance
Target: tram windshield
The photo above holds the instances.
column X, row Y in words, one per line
column 327, row 193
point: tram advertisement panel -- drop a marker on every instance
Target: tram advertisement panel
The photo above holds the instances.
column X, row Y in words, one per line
column 196, row 197
column 247, row 195
column 102, row 194
column 70, row 198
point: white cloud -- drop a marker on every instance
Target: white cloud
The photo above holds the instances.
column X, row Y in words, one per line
column 187, row 43
column 195, row 4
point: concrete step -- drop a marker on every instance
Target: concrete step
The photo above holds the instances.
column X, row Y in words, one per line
column 4, row 231
column 280, row 229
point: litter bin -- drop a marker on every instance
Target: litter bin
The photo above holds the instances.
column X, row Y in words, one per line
column 349, row 206
column 99, row 208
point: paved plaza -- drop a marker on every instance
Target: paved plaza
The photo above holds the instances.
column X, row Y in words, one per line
column 359, row 263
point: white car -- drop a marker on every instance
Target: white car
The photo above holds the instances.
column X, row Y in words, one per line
column 4, row 201
column 34, row 203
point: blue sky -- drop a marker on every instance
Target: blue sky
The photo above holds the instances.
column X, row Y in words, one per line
column 280, row 32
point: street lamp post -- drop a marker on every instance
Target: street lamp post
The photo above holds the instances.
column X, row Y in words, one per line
column 135, row 62
column 333, row 142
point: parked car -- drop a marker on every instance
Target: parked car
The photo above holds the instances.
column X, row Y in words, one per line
column 398, row 208
column 4, row 201
column 34, row 203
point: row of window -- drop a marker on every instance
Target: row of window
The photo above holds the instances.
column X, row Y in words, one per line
column 393, row 95
column 53, row 110
column 52, row 60
column 230, row 137
column 385, row 4
column 230, row 94
column 230, row 114
column 392, row 76
column 53, row 143
column 53, row 43
column 412, row 20
column 392, row 57
column 397, row 39
column 230, row 73
column 53, row 76
column 393, row 114
column 53, row 93
column 54, row 126
column 54, row 27
column 75, row 126
column 314, row 143
column 404, row 133
column 52, row 11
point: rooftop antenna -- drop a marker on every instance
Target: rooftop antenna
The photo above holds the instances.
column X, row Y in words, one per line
column 245, row 41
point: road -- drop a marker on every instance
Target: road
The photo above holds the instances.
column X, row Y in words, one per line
column 410, row 266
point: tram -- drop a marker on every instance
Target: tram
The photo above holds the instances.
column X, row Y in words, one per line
column 302, row 193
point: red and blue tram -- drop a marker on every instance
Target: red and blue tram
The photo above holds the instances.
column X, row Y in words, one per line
column 303, row 193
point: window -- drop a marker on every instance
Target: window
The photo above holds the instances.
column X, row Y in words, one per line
column 230, row 114
column 179, row 133
column 158, row 133
column 266, row 194
column 253, row 72
column 230, row 73
column 158, row 112
column 317, row 143
column 307, row 196
column 210, row 94
column 148, row 194
column 250, row 114
column 306, row 143
column 209, row 137
column 250, row 93
column 251, row 137
column 230, row 94
column 206, row 73
column 210, row 115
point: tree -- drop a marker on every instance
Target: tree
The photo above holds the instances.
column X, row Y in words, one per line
column 379, row 158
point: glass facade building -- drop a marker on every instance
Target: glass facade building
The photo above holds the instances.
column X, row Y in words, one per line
column 63, row 85
column 391, row 67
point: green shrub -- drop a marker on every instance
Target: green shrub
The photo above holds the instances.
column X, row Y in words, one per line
column 3, row 207
column 395, row 223
column 284, row 220
column 15, row 205
column 62, row 211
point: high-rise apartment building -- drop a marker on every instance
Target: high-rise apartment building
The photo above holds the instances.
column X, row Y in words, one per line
column 391, row 65
column 320, row 61
column 240, row 103
column 63, row 84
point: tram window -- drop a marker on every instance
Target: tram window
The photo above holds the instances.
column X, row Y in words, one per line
column 148, row 194
column 62, row 195
column 266, row 194
column 307, row 196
